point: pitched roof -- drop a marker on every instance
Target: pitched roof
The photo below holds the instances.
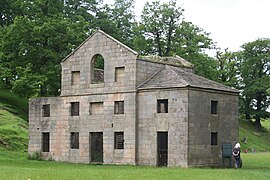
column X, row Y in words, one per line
column 105, row 34
column 170, row 76
column 171, row 60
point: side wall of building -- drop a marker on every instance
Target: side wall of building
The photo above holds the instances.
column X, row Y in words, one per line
column 202, row 123
column 145, row 70
column 39, row 124
column 174, row 122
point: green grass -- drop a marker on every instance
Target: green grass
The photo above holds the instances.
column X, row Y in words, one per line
column 15, row 165
column 256, row 166
column 13, row 132
column 13, row 104
column 258, row 141
column 13, row 122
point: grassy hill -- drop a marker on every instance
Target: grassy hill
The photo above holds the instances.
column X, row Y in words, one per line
column 13, row 122
column 14, row 125
column 254, row 140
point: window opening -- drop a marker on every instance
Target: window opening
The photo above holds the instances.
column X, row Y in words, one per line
column 45, row 142
column 74, row 140
column 46, row 110
column 214, row 106
column 97, row 69
column 75, row 108
column 214, row 138
column 119, row 107
column 162, row 106
column 119, row 140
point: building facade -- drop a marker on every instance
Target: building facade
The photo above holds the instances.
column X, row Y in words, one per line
column 117, row 107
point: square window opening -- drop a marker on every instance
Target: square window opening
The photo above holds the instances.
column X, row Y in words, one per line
column 162, row 106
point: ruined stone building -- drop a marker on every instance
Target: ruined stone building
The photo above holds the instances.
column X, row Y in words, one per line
column 133, row 110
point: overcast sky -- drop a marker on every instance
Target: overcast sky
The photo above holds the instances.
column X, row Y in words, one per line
column 230, row 22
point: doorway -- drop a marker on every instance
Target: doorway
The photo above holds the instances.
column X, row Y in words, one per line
column 162, row 148
column 96, row 147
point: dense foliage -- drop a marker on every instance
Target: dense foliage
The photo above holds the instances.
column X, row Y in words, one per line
column 35, row 35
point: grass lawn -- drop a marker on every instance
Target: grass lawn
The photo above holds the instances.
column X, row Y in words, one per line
column 256, row 166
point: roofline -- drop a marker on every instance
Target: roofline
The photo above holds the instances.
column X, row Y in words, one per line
column 98, row 30
column 190, row 88
column 175, row 65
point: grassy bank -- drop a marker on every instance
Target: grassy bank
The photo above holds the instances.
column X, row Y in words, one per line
column 258, row 141
column 13, row 122
column 256, row 166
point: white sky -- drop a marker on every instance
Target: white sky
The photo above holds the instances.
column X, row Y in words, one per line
column 230, row 22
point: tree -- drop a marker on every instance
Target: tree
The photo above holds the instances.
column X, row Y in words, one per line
column 255, row 69
column 228, row 67
column 190, row 42
column 28, row 84
column 158, row 26
column 117, row 20
column 9, row 9
column 123, row 19
column 42, row 38
column 164, row 32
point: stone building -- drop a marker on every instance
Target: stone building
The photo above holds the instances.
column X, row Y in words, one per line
column 133, row 110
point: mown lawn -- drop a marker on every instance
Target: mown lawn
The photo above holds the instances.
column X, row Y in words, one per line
column 256, row 166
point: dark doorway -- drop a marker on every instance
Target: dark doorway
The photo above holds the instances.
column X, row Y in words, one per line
column 162, row 148
column 96, row 147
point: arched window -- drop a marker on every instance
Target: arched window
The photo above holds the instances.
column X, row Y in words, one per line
column 97, row 69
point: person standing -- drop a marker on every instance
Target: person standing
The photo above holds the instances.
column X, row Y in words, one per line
column 236, row 154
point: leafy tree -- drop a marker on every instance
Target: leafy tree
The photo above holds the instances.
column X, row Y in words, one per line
column 123, row 19
column 158, row 25
column 228, row 67
column 163, row 31
column 255, row 69
column 190, row 43
column 43, row 37
column 28, row 84
column 9, row 9
column 117, row 20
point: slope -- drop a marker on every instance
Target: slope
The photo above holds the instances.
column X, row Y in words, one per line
column 251, row 140
column 13, row 122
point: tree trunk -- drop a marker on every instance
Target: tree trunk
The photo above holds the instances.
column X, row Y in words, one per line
column 258, row 110
column 159, row 45
column 258, row 123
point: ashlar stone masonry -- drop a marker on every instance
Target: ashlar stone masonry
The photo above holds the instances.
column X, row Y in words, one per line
column 135, row 110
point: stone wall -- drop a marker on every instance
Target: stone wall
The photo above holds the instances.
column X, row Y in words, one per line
column 51, row 124
column 61, row 123
column 78, row 66
column 202, row 123
column 114, row 54
column 145, row 70
column 174, row 122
